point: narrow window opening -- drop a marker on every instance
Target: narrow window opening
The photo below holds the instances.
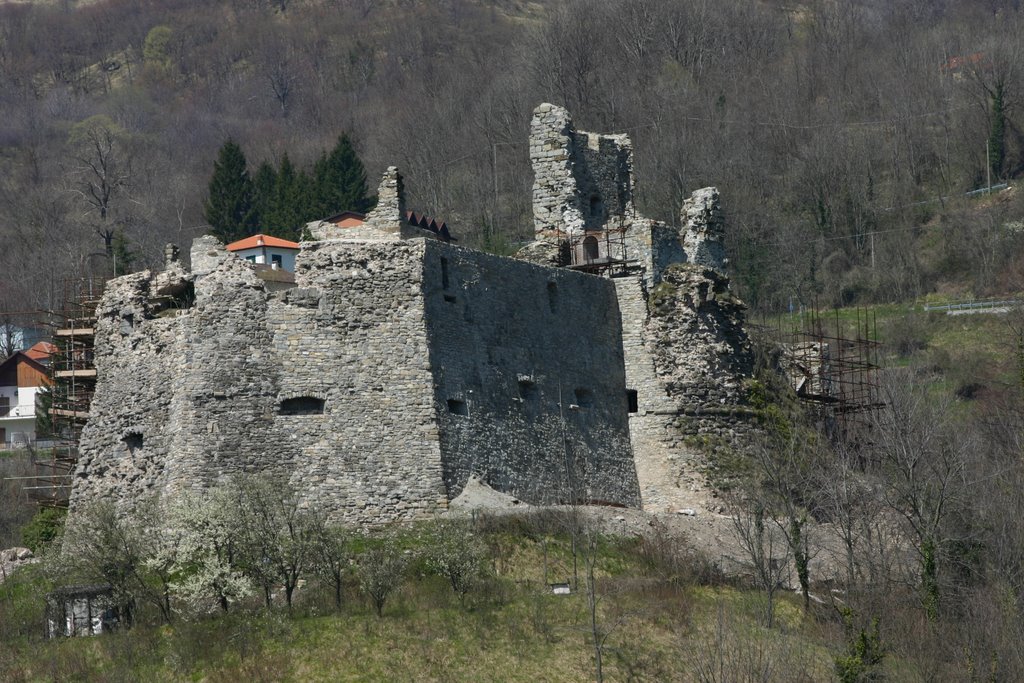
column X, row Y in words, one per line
column 528, row 390
column 553, row 296
column 456, row 406
column 633, row 400
column 450, row 298
column 133, row 441
column 591, row 250
column 444, row 274
column 584, row 397
column 596, row 207
column 302, row 405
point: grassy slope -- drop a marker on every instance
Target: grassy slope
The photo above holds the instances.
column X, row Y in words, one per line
column 512, row 631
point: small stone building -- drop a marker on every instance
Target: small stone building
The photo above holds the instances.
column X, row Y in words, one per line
column 80, row 611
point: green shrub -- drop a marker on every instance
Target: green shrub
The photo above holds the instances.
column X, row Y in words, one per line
column 45, row 526
column 864, row 653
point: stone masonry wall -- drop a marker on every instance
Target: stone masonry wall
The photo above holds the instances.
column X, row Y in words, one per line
column 704, row 229
column 581, row 179
column 686, row 352
column 208, row 385
column 532, row 360
column 342, row 384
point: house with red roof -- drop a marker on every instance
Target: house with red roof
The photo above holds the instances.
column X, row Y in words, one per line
column 267, row 250
column 41, row 352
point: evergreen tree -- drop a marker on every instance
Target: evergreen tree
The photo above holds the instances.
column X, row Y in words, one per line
column 229, row 207
column 264, row 188
column 289, row 206
column 124, row 257
column 339, row 181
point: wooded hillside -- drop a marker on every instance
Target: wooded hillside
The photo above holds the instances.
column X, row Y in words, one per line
column 843, row 135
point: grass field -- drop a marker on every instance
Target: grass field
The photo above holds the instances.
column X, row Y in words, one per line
column 661, row 625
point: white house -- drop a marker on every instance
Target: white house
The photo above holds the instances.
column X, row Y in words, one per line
column 21, row 377
column 267, row 250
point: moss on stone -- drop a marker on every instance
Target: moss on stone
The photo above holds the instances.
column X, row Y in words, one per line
column 661, row 296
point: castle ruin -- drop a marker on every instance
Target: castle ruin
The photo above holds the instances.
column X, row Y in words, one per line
column 398, row 365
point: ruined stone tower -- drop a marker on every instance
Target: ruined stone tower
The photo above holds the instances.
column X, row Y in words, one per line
column 687, row 355
column 582, row 181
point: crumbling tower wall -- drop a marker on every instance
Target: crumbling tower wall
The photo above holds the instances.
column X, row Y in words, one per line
column 687, row 356
column 581, row 180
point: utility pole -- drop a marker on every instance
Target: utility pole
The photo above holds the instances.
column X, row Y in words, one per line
column 872, row 250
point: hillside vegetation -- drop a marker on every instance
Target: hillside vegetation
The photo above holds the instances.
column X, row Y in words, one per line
column 845, row 138
column 843, row 135
column 660, row 611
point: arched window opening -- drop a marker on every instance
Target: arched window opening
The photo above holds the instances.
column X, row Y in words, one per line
column 303, row 405
column 591, row 249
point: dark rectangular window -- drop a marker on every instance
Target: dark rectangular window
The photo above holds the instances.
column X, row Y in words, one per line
column 528, row 390
column 632, row 400
column 457, row 406
column 584, row 397
column 275, row 259
column 302, row 405
column 444, row 273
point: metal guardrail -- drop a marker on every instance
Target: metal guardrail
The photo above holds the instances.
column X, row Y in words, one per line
column 975, row 305
column 986, row 190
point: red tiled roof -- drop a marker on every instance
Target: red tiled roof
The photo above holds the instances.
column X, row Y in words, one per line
column 347, row 219
column 41, row 350
column 262, row 241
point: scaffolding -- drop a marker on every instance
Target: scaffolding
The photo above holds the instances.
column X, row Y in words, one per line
column 599, row 252
column 833, row 366
column 72, row 384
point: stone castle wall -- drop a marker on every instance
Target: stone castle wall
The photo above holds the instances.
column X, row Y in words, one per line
column 376, row 385
column 534, row 358
column 581, row 180
column 397, row 366
column 350, row 335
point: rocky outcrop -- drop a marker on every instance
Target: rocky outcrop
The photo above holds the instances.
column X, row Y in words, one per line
column 13, row 559
column 697, row 337
column 550, row 253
